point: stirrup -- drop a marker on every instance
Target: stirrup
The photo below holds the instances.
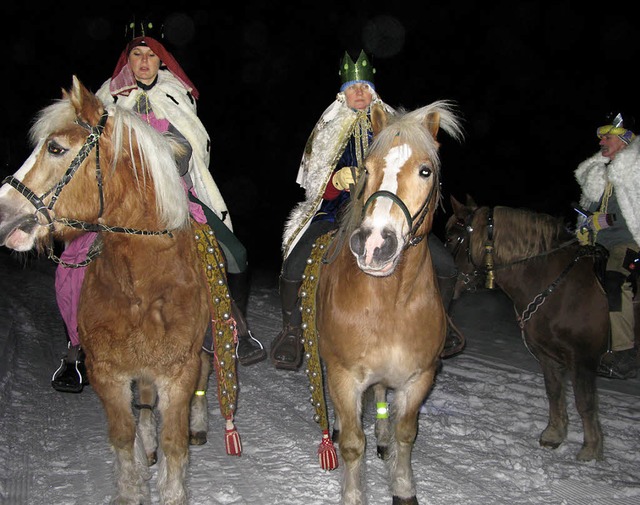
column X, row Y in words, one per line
column 251, row 353
column 458, row 347
column 68, row 378
column 288, row 337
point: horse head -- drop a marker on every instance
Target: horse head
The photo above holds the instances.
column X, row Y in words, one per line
column 400, row 188
column 458, row 230
column 71, row 174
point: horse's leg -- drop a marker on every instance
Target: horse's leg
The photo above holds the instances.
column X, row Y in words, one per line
column 174, row 395
column 131, row 470
column 346, row 396
column 199, row 417
column 335, row 433
column 407, row 402
column 382, row 426
column 586, row 397
column 147, row 428
column 555, row 382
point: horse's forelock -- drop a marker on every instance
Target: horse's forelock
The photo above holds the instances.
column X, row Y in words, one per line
column 406, row 128
column 51, row 118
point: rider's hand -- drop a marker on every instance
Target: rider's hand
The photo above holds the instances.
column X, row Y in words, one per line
column 582, row 234
column 343, row 178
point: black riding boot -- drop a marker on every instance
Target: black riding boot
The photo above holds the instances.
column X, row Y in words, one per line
column 287, row 348
column 71, row 375
column 455, row 341
column 249, row 349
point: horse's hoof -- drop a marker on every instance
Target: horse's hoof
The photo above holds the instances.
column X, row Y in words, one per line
column 198, row 438
column 550, row 445
column 383, row 452
column 590, row 454
column 404, row 501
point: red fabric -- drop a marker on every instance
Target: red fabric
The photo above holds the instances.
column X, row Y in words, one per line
column 165, row 56
column 331, row 192
column 327, row 453
column 232, row 442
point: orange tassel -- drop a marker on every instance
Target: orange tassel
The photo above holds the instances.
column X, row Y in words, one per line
column 232, row 440
column 327, row 453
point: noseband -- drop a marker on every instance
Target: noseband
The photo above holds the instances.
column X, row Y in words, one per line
column 414, row 222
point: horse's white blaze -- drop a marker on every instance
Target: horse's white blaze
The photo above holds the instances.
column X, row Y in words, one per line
column 394, row 161
column 24, row 169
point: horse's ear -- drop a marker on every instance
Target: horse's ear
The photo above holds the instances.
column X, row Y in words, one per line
column 432, row 123
column 471, row 202
column 378, row 118
column 88, row 107
column 458, row 207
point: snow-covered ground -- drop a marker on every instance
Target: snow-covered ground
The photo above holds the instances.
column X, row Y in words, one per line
column 477, row 443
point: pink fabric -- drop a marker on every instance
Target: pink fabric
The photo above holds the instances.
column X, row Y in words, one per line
column 160, row 125
column 194, row 209
column 69, row 283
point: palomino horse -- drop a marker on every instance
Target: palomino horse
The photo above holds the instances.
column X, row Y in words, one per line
column 560, row 304
column 380, row 319
column 145, row 305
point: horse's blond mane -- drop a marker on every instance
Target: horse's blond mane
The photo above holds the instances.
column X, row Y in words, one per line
column 154, row 153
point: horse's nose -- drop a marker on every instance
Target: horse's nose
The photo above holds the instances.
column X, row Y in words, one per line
column 373, row 247
column 357, row 241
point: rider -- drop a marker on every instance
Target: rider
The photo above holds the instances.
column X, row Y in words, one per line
column 332, row 159
column 148, row 80
column 610, row 184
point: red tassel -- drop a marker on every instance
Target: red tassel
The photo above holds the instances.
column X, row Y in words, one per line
column 327, row 453
column 232, row 442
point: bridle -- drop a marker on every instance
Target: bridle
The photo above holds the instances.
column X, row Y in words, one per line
column 414, row 222
column 90, row 143
column 489, row 267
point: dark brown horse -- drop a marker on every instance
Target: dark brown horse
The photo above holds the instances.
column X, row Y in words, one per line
column 380, row 318
column 145, row 302
column 560, row 303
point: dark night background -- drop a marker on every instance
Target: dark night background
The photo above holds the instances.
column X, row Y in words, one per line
column 532, row 81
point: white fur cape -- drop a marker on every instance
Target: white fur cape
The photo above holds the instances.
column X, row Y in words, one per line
column 321, row 154
column 183, row 116
column 624, row 173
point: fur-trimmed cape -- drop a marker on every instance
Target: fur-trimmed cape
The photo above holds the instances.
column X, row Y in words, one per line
column 321, row 154
column 624, row 173
column 170, row 100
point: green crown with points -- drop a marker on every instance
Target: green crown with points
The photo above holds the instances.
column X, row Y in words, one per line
column 360, row 70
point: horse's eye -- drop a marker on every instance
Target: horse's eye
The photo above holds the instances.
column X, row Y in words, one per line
column 56, row 149
column 425, row 171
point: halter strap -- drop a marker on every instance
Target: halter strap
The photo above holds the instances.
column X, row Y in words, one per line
column 414, row 221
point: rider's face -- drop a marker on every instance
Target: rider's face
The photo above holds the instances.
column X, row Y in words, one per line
column 610, row 145
column 144, row 64
column 358, row 96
